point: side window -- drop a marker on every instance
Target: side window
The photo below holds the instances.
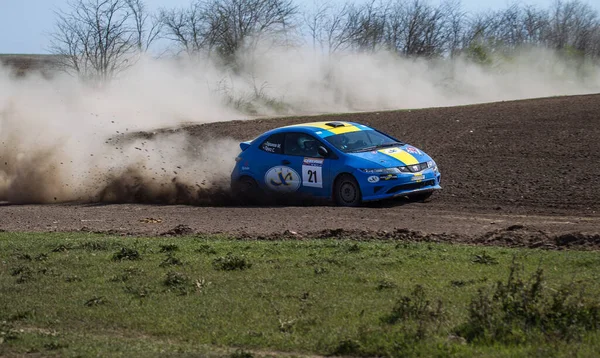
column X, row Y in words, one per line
column 273, row 144
column 301, row 144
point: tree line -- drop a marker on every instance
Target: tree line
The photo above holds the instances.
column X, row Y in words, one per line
column 99, row 38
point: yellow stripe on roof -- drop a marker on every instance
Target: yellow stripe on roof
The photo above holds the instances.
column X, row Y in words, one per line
column 313, row 124
column 401, row 155
column 347, row 128
column 344, row 129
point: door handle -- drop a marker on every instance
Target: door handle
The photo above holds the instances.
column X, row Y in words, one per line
column 285, row 162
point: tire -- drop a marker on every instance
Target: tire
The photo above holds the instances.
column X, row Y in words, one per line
column 246, row 190
column 421, row 196
column 346, row 191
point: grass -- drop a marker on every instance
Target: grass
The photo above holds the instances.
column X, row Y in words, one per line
column 81, row 294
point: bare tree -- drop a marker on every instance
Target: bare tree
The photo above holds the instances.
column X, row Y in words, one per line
column 572, row 25
column 96, row 39
column 190, row 28
column 337, row 29
column 419, row 29
column 244, row 22
column 595, row 42
column 368, row 27
column 569, row 26
column 535, row 25
column 226, row 26
column 147, row 28
column 412, row 28
column 497, row 31
column 315, row 22
column 455, row 26
column 347, row 27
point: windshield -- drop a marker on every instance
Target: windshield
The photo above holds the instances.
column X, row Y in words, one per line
column 361, row 141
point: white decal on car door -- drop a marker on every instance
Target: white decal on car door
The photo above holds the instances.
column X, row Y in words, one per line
column 312, row 172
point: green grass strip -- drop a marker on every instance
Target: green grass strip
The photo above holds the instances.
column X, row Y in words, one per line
column 80, row 294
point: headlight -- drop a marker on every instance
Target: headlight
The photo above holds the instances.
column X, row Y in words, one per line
column 432, row 165
column 381, row 171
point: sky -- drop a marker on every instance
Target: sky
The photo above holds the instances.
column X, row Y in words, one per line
column 25, row 25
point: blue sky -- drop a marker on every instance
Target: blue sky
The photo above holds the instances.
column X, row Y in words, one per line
column 25, row 24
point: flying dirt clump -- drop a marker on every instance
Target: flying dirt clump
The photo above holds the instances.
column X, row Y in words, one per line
column 62, row 140
column 170, row 169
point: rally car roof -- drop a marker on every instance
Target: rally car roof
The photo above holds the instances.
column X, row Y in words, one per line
column 326, row 129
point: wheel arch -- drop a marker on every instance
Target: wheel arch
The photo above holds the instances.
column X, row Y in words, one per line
column 241, row 178
column 335, row 180
column 244, row 176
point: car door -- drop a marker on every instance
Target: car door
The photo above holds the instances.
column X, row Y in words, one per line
column 274, row 168
column 301, row 155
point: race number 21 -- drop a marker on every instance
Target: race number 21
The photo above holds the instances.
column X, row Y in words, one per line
column 312, row 170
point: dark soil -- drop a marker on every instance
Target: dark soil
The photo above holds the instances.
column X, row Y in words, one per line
column 513, row 236
column 540, row 153
column 534, row 163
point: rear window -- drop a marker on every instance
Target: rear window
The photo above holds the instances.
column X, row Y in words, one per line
column 273, row 144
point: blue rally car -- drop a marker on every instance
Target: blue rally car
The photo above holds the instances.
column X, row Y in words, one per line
column 344, row 161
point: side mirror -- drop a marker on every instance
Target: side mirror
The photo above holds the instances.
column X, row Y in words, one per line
column 323, row 151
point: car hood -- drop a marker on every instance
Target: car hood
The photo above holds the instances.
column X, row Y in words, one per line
column 393, row 156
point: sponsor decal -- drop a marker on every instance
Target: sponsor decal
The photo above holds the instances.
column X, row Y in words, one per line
column 312, row 172
column 417, row 177
column 271, row 147
column 274, row 145
column 388, row 177
column 392, row 151
column 316, row 162
column 283, row 179
column 413, row 150
column 245, row 168
column 373, row 179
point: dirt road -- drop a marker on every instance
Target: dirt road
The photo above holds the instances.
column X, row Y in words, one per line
column 534, row 163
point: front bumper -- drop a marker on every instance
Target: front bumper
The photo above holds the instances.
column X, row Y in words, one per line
column 389, row 186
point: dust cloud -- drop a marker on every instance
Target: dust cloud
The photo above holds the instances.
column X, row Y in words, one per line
column 367, row 82
column 64, row 140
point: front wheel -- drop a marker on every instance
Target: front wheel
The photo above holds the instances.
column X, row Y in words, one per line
column 420, row 196
column 346, row 191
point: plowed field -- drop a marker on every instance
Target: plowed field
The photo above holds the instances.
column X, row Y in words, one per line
column 533, row 163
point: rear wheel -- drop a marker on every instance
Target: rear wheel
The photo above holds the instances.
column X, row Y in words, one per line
column 246, row 189
column 346, row 191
